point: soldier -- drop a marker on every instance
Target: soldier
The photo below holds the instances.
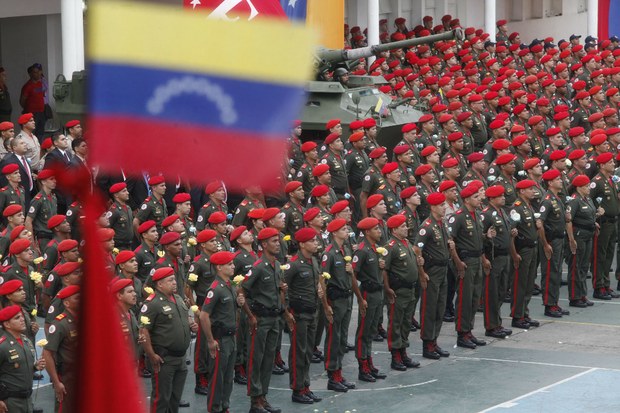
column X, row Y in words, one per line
column 304, row 174
column 42, row 208
column 12, row 293
column 68, row 252
column 60, row 352
column 14, row 214
column 294, row 146
column 373, row 178
column 17, row 362
column 265, row 288
column 497, row 249
column 293, row 211
column 479, row 131
column 506, row 164
column 166, row 324
column 553, row 216
column 13, row 193
column 356, row 163
column 391, row 189
column 253, row 200
column 121, row 217
column 199, row 279
column 465, row 228
column 426, row 185
column 183, row 208
column 399, row 281
column 126, row 300
column 217, row 222
column 337, row 303
column 171, row 243
column 217, row 202
column 218, row 320
column 23, row 254
column 526, row 260
column 69, row 273
column 581, row 228
column 302, row 278
column 154, row 207
column 404, row 157
column 604, row 192
column 148, row 252
column 432, row 243
column 478, row 169
column 334, row 158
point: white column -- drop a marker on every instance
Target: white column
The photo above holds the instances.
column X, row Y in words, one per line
column 489, row 18
column 593, row 18
column 373, row 25
column 72, row 20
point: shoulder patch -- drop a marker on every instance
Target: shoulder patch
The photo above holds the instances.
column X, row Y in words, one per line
column 244, row 202
column 60, row 316
column 329, row 247
column 150, row 297
column 517, row 203
column 294, row 258
column 2, row 339
column 214, row 285
column 38, row 196
column 392, row 243
column 159, row 261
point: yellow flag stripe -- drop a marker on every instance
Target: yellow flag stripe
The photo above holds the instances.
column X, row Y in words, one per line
column 172, row 38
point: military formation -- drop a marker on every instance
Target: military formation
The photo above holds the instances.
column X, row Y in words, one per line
column 510, row 177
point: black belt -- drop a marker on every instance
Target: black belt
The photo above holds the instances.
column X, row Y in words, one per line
column 21, row 394
column 222, row 331
column 163, row 352
column 335, row 293
column 498, row 252
column 584, row 227
column 370, row 286
column 262, row 311
column 470, row 254
column 608, row 219
column 301, row 307
column 396, row 283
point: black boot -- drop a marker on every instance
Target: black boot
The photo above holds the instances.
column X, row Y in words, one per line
column 397, row 361
column 364, row 372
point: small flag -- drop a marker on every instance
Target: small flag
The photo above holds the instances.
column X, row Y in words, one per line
column 379, row 105
column 236, row 9
column 176, row 93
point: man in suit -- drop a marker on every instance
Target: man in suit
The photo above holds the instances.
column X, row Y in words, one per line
column 138, row 190
column 60, row 157
column 79, row 159
column 18, row 156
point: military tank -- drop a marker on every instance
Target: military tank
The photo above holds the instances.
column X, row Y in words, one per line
column 70, row 96
column 361, row 97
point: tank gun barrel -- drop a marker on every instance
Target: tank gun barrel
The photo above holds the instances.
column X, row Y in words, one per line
column 327, row 57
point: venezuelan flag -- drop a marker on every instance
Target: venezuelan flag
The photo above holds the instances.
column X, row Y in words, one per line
column 608, row 19
column 326, row 17
column 175, row 92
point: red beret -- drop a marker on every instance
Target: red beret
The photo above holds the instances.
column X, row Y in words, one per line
column 445, row 118
column 553, row 131
column 267, row 233
column 519, row 140
column 373, row 200
column 357, row 124
column 339, row 206
column 18, row 246
column 24, row 118
column 161, row 273
column 292, row 186
column 551, row 174
column 423, row 169
column 505, row 158
column 425, row 118
column 369, row 123
column 534, row 120
column 530, row 163
column 331, row 138
column 408, row 127
column 45, row 174
column 213, row 187
column 518, row 109
column 494, row 191
column 308, row 146
column 604, row 157
column 256, row 213
column 72, row 123
column 270, row 213
column 557, row 155
column 10, row 287
column 389, row 168
column 377, row 153
column 607, row 112
column 598, row 139
column 576, row 131
column 6, row 126
column 455, row 136
column 47, row 143
column 450, row 163
column 170, row 219
column 156, row 180
column 396, row 221
column 181, row 197
column 222, row 258
column 10, row 168
column 305, row 235
column 526, row 183
column 445, row 185
column 9, row 312
column 580, row 180
column 11, row 210
column 356, row 137
column 500, row 144
column 336, row 224
column 428, row 150
column 146, row 225
column 367, row 223
column 595, row 117
column 70, row 267
column 561, row 115
column 208, row 234
column 67, row 245
column 408, row 192
column 319, row 190
column 119, row 284
column 16, row 231
column 468, row 191
column 436, row 198
column 582, row 95
column 236, row 233
column 311, row 213
column 55, row 220
column 169, row 238
column 576, row 154
column 118, row 187
column 612, row 131
column 475, row 157
column 400, row 149
column 331, row 123
column 320, row 169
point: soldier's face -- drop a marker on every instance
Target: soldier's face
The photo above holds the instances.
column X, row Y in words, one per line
column 272, row 245
column 27, row 255
column 210, row 246
column 226, row 270
column 128, row 296
column 131, row 266
column 18, row 296
column 17, row 323
column 15, row 177
column 246, row 237
column 175, row 248
column 401, row 231
column 345, row 214
column 311, row 246
column 50, row 183
column 123, row 195
column 17, row 219
column 374, row 234
column 159, row 189
column 177, row 226
column 184, row 208
column 167, row 285
column 151, row 234
column 298, row 194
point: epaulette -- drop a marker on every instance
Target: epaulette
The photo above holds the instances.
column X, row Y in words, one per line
column 459, row 211
column 196, row 258
column 2, row 190
column 517, row 203
column 38, row 196
column 597, row 178
column 73, row 205
column 244, row 202
column 162, row 259
column 287, row 205
column 137, row 250
column 148, row 199
column 257, row 262
column 382, row 186
column 329, row 247
column 206, row 205
column 214, row 285
column 294, row 258
column 485, row 209
column 427, row 222
column 350, row 151
column 392, row 243
column 303, row 165
column 361, row 245
column 52, row 242
column 150, row 297
column 548, row 197
column 60, row 316
column 2, row 339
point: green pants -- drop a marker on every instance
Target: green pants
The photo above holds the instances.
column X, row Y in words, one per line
column 495, row 286
column 552, row 272
column 604, row 255
column 367, row 325
column 242, row 339
column 433, row 303
column 320, row 326
column 399, row 314
column 19, row 405
column 469, row 289
column 201, row 353
column 336, row 335
column 69, row 380
column 300, row 353
column 578, row 268
column 523, row 282
column 262, row 353
column 167, row 385
column 221, row 375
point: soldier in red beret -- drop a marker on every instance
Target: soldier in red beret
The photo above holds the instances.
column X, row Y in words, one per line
column 217, row 202
column 254, row 198
column 172, row 246
column 13, row 193
column 293, row 210
column 154, row 207
column 373, row 179
column 120, row 216
column 304, row 173
column 69, row 274
column 183, row 208
column 42, row 207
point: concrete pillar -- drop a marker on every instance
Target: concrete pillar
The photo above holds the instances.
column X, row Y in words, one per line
column 373, row 25
column 489, row 18
column 72, row 20
column 593, row 18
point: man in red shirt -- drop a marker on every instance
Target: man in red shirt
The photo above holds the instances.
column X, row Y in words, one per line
column 32, row 99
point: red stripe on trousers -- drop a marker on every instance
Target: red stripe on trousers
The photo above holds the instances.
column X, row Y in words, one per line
column 213, row 384
column 197, row 352
column 330, row 331
column 573, row 276
column 595, row 265
column 154, row 405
